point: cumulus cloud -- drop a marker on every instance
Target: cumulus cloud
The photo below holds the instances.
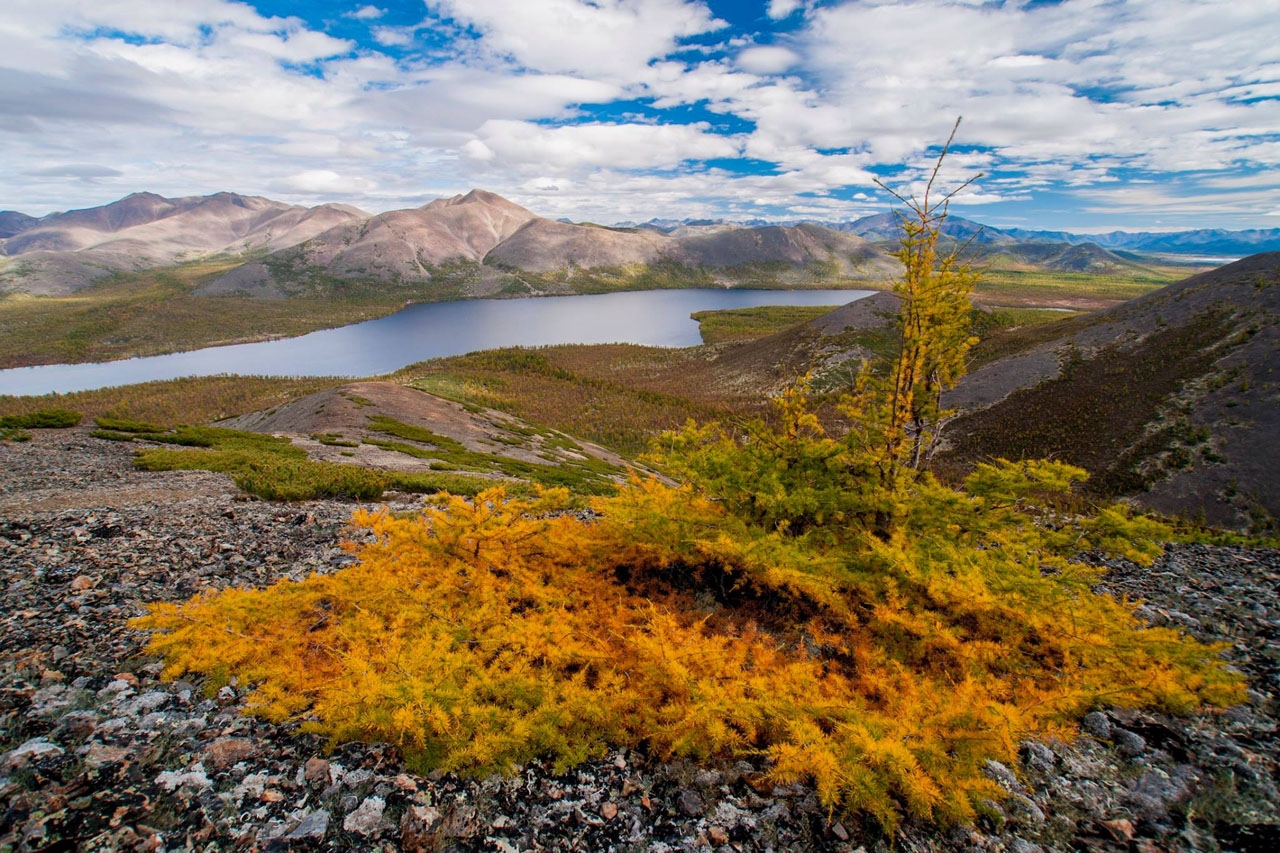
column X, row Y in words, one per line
column 616, row 146
column 323, row 182
column 767, row 59
column 779, row 9
column 614, row 39
column 1074, row 79
column 633, row 105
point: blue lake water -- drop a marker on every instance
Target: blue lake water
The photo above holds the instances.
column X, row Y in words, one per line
column 432, row 330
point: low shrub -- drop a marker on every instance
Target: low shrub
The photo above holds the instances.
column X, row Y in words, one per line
column 128, row 425
column 42, row 419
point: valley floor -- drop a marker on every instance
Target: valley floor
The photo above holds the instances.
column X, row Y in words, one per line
column 98, row 753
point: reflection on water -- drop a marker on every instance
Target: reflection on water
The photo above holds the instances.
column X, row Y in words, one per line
column 432, row 330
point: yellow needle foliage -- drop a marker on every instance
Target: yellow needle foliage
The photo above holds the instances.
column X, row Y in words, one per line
column 819, row 600
column 485, row 633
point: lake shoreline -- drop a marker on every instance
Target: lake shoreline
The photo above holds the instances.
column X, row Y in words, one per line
column 351, row 344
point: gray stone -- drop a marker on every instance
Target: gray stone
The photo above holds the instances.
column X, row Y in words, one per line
column 195, row 779
column 50, row 701
column 367, row 817
column 1038, row 757
column 708, row 778
column 1130, row 744
column 1154, row 792
column 1003, row 776
column 689, row 803
column 33, row 750
column 356, row 778
column 1022, row 845
column 1095, row 723
column 145, row 704
column 312, row 828
column 1024, row 810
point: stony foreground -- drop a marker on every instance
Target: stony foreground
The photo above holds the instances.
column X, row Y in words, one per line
column 96, row 753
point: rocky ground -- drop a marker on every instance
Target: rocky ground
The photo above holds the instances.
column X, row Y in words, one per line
column 96, row 753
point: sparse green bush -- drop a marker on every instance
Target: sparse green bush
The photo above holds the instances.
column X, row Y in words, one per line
column 128, row 425
column 112, row 435
column 42, row 419
column 275, row 469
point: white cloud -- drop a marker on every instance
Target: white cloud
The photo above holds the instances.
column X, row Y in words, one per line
column 1072, row 97
column 394, row 36
column 779, row 9
column 1139, row 80
column 767, row 59
column 322, row 182
column 613, row 39
column 577, row 147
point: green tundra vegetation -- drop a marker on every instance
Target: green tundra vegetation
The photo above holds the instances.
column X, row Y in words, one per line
column 172, row 402
column 617, row 395
column 14, row 427
column 118, row 318
column 270, row 467
column 814, row 597
column 744, row 324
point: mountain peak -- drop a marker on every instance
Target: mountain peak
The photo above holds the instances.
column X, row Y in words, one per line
column 478, row 197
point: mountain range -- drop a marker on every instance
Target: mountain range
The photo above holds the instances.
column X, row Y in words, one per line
column 883, row 227
column 495, row 246
column 482, row 244
column 65, row 252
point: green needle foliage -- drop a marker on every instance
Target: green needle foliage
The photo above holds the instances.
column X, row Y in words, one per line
column 14, row 427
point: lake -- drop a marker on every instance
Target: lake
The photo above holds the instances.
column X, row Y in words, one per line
column 432, row 330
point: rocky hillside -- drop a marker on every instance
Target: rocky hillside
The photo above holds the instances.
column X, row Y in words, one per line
column 1173, row 397
column 64, row 252
column 98, row 753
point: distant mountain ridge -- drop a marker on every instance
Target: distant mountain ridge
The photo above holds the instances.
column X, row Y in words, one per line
column 1205, row 241
column 64, row 252
column 506, row 248
column 480, row 244
column 883, row 227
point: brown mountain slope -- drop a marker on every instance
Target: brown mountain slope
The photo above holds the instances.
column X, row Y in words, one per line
column 1173, row 397
column 15, row 222
column 346, row 418
column 64, row 252
column 400, row 245
column 546, row 245
column 499, row 239
column 795, row 246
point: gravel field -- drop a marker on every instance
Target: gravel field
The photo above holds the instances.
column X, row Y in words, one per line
column 96, row 753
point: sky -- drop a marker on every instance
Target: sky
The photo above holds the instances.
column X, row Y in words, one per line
column 1085, row 115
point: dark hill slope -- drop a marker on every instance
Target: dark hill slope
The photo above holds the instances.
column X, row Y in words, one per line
column 14, row 222
column 1173, row 397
